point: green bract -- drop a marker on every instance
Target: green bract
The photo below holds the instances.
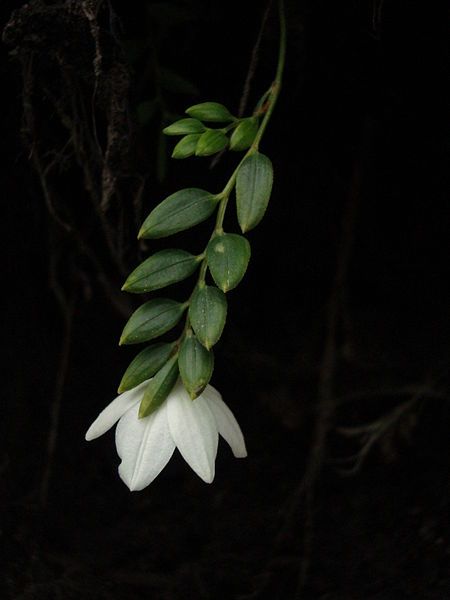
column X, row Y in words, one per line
column 151, row 320
column 244, row 134
column 161, row 269
column 145, row 365
column 207, row 314
column 253, row 188
column 178, row 212
column 210, row 142
column 186, row 146
column 184, row 126
column 227, row 256
column 196, row 365
column 210, row 111
column 159, row 387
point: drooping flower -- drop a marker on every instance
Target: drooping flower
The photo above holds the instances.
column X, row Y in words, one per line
column 146, row 445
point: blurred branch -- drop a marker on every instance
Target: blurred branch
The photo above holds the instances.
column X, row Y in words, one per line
column 43, row 172
column 326, row 399
column 253, row 61
column 62, row 84
column 406, row 390
column 326, row 393
column 373, row 432
column 249, row 76
column 66, row 302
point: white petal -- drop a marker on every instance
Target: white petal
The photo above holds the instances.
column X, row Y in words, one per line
column 112, row 413
column 144, row 445
column 226, row 423
column 194, row 431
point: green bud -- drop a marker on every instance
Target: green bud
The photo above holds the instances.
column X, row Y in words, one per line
column 196, row 365
column 159, row 387
column 210, row 111
column 186, row 146
column 145, row 365
column 244, row 134
column 211, row 142
column 184, row 126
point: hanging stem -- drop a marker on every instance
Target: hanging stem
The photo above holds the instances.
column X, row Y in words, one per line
column 269, row 100
column 276, row 85
column 266, row 104
column 263, row 109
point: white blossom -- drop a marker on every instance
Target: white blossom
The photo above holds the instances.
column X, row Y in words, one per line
column 146, row 445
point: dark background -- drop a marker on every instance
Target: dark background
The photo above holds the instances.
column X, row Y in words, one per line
column 336, row 351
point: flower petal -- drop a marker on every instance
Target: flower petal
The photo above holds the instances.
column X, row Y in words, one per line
column 226, row 423
column 194, row 431
column 144, row 445
column 112, row 413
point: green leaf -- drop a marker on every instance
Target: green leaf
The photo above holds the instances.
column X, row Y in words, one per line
column 151, row 320
column 186, row 146
column 178, row 212
column 210, row 111
column 159, row 387
column 196, row 365
column 161, row 269
column 210, row 142
column 244, row 134
column 184, row 126
column 227, row 256
column 208, row 313
column 253, row 187
column 145, row 365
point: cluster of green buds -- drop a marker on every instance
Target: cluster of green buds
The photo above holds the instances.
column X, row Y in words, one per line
column 200, row 140
column 221, row 266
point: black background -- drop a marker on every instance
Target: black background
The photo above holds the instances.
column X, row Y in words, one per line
column 359, row 143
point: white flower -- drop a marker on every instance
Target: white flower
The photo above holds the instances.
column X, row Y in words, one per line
column 146, row 445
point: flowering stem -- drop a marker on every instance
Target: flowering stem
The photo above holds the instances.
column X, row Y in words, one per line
column 265, row 106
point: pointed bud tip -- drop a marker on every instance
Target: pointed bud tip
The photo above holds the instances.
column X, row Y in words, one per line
column 145, row 411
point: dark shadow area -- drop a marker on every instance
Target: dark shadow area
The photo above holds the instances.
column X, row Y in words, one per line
column 335, row 356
